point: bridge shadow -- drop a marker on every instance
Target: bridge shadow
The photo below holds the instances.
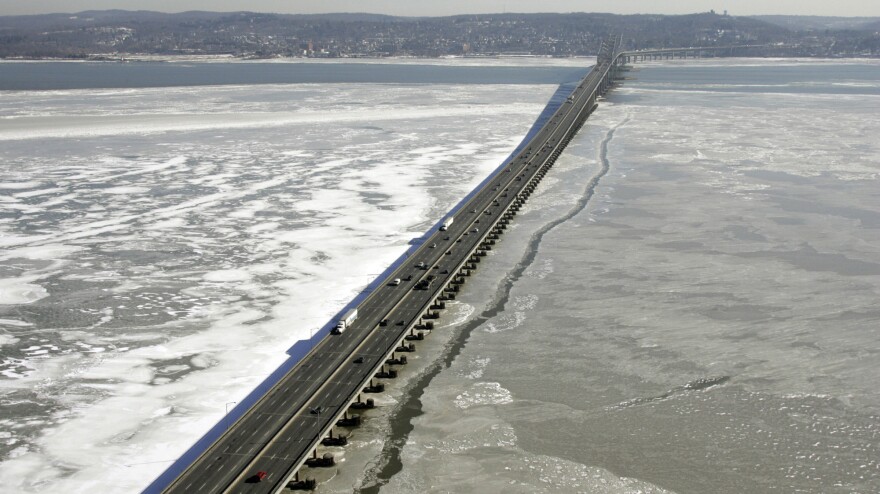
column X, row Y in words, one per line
column 301, row 348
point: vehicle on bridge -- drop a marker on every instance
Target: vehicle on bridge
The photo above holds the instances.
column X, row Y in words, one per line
column 446, row 224
column 346, row 321
column 257, row 477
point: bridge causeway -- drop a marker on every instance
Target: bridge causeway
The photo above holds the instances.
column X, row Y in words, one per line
column 630, row 57
column 263, row 451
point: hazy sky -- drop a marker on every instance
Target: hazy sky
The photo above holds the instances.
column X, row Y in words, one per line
column 450, row 7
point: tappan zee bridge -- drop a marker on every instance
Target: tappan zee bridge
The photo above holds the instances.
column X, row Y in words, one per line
column 315, row 404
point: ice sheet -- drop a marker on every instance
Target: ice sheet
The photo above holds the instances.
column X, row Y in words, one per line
column 165, row 260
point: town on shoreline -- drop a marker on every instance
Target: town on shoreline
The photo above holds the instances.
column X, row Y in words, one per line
column 116, row 35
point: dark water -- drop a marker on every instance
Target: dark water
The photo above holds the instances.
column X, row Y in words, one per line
column 67, row 75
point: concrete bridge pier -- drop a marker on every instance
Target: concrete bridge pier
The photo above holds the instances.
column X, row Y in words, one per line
column 297, row 484
column 378, row 387
column 331, row 440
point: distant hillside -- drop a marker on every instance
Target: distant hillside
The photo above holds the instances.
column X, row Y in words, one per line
column 817, row 23
column 118, row 33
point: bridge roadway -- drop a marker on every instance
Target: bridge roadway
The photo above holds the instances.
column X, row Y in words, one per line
column 281, row 430
column 650, row 54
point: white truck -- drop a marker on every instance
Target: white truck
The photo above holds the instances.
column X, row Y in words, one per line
column 348, row 318
column 446, row 224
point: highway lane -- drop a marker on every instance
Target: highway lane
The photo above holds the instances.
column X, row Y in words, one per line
column 280, row 430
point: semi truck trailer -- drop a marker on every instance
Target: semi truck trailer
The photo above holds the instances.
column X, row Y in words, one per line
column 347, row 319
column 446, row 224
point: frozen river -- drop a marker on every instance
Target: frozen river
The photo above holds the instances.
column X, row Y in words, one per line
column 687, row 304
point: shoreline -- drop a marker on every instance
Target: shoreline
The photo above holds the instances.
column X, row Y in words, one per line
column 531, row 59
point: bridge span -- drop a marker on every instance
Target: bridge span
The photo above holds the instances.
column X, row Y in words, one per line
column 630, row 57
column 263, row 451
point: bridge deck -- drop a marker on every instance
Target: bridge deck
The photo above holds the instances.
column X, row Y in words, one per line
column 282, row 429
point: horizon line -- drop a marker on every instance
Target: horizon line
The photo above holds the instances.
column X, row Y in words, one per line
column 725, row 13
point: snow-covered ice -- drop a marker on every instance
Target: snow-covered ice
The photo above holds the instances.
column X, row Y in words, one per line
column 165, row 249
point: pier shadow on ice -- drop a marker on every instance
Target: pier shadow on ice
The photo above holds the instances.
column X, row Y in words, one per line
column 301, row 348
